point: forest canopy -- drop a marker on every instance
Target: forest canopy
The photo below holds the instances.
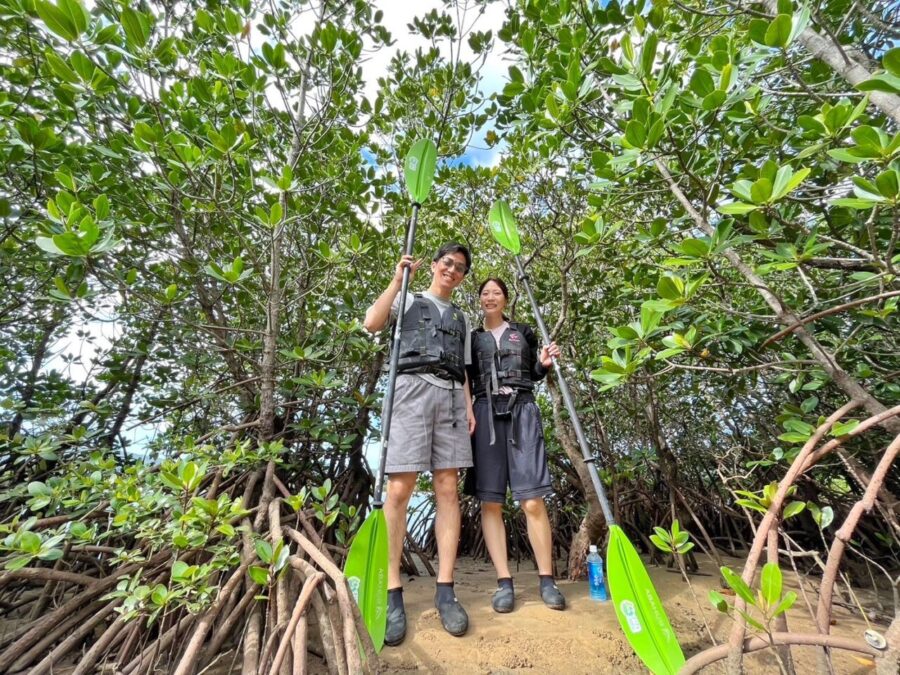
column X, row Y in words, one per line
column 200, row 199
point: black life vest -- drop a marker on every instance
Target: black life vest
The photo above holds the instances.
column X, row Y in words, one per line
column 431, row 342
column 509, row 365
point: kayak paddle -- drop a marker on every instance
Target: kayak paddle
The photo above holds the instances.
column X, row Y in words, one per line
column 637, row 605
column 366, row 567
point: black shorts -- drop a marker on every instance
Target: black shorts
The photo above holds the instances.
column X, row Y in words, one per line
column 516, row 460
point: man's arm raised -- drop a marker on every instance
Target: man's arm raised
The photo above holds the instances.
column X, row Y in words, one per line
column 380, row 311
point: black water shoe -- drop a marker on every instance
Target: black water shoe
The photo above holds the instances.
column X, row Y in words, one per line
column 396, row 618
column 504, row 597
column 551, row 594
column 453, row 616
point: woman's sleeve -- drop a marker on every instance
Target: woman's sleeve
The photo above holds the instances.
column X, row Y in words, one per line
column 538, row 372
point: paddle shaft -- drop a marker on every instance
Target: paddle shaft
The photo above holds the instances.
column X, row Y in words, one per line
column 589, row 458
column 395, row 359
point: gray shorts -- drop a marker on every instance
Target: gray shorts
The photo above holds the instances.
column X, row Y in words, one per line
column 517, row 459
column 423, row 435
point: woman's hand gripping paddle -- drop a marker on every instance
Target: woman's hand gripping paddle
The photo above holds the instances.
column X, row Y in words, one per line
column 637, row 605
column 366, row 567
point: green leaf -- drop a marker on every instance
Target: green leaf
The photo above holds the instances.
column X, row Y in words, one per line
column 670, row 288
column 786, row 181
column 738, row 585
column 635, row 134
column 786, row 603
column 891, row 61
column 799, row 23
column 702, row 83
column 46, row 244
column 843, row 428
column 881, row 82
column 793, row 509
column 752, row 622
column 159, row 595
column 761, row 190
column 809, row 404
column 736, row 208
column 656, row 131
column 648, row 54
column 751, row 504
column 260, row 575
column 693, row 247
column 660, row 543
column 137, row 27
column 888, row 183
column 29, row 542
column 719, row 602
column 778, row 34
column 264, row 551
column 794, row 437
column 843, row 155
column 627, row 47
column 757, row 31
column 276, row 213
column 714, row 100
column 18, row 562
column 226, row 529
column 57, row 20
column 854, row 203
column 60, row 68
column 77, row 14
column 825, row 518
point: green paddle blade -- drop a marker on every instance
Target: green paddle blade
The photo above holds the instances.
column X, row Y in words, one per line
column 503, row 226
column 366, row 571
column 418, row 168
column 637, row 605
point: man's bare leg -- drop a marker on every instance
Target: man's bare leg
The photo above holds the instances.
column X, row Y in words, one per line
column 400, row 488
column 446, row 525
column 447, row 521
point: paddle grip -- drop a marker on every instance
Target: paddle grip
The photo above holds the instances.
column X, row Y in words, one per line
column 586, row 453
column 395, row 359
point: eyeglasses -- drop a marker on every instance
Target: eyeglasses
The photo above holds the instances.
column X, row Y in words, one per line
column 449, row 263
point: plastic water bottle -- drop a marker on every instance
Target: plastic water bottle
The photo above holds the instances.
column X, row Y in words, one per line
column 595, row 575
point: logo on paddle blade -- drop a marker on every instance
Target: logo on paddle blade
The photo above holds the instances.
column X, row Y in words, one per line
column 412, row 163
column 497, row 226
column 354, row 584
column 631, row 617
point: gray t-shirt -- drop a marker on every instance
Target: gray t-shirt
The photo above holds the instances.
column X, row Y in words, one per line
column 442, row 305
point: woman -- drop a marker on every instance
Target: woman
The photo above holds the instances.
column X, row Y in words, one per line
column 509, row 439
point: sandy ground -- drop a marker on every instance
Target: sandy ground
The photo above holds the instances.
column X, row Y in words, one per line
column 585, row 638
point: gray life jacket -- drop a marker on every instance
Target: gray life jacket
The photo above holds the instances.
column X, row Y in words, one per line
column 431, row 342
column 509, row 365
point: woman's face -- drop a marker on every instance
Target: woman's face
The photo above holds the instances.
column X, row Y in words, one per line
column 492, row 299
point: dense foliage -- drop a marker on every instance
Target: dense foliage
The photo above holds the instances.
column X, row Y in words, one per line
column 199, row 200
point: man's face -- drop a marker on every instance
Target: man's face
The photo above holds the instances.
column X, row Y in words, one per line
column 449, row 270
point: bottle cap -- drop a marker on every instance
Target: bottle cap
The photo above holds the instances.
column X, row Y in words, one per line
column 593, row 548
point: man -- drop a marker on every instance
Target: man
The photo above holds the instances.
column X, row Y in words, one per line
column 432, row 419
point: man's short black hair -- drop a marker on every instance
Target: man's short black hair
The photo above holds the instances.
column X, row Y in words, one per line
column 454, row 247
